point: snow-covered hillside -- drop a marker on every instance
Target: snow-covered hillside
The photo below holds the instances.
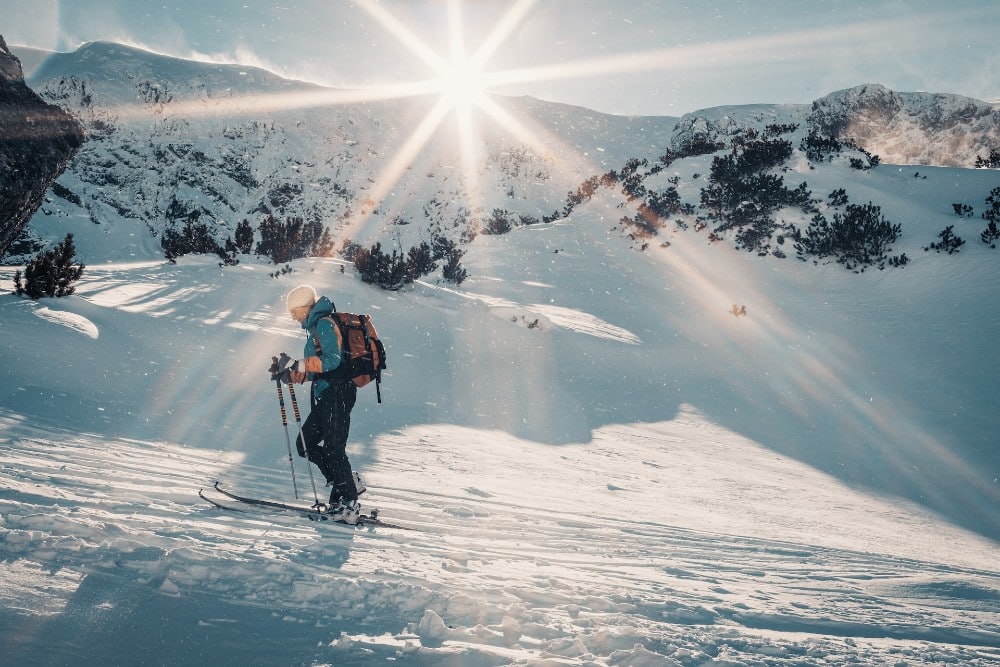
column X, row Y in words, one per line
column 602, row 448
column 598, row 462
column 911, row 128
column 171, row 141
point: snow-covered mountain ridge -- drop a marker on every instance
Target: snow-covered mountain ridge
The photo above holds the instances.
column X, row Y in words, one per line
column 172, row 141
column 927, row 129
column 910, row 128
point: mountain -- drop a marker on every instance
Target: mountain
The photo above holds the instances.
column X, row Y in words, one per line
column 910, row 128
column 171, row 141
column 37, row 140
column 174, row 142
column 31, row 58
column 930, row 129
column 698, row 417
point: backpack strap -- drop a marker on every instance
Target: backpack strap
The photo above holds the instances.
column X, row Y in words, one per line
column 336, row 372
column 368, row 348
column 315, row 331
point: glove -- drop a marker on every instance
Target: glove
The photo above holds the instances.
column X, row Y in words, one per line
column 282, row 365
column 288, row 376
column 298, row 377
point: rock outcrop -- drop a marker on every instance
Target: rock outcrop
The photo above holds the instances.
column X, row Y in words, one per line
column 909, row 128
column 37, row 141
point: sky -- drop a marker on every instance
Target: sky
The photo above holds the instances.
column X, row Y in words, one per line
column 628, row 57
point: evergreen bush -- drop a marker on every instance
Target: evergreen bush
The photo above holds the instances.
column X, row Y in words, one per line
column 949, row 242
column 859, row 237
column 51, row 273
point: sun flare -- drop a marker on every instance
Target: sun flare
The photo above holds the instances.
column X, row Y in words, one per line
column 462, row 84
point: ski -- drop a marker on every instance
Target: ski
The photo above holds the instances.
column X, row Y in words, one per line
column 245, row 506
column 313, row 513
column 216, row 503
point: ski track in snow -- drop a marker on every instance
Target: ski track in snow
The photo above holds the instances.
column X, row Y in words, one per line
column 480, row 577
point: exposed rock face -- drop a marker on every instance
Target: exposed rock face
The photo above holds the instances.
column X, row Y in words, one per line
column 909, row 128
column 37, row 141
column 901, row 128
column 720, row 124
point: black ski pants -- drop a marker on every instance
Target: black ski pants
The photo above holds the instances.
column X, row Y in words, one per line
column 325, row 432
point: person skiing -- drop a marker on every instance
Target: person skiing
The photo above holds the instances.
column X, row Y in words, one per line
column 323, row 438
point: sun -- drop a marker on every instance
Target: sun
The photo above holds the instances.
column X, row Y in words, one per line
column 459, row 77
column 462, row 84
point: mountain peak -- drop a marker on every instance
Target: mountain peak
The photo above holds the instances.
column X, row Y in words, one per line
column 10, row 66
column 115, row 71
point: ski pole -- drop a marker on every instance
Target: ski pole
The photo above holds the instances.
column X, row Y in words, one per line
column 302, row 437
column 288, row 442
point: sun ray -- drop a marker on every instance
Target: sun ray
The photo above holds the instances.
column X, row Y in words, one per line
column 402, row 33
column 403, row 158
column 823, row 42
column 455, row 32
column 501, row 31
column 460, row 82
column 478, row 80
column 513, row 125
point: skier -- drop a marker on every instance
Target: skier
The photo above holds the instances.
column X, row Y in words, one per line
column 332, row 397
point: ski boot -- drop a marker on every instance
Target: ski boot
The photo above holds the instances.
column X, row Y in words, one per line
column 348, row 512
column 358, row 484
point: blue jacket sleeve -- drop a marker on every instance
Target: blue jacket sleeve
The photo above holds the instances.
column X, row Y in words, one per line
column 330, row 344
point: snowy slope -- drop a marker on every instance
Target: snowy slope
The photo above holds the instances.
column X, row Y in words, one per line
column 172, row 140
column 592, row 459
column 599, row 463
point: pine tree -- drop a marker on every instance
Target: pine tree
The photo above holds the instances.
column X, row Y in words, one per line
column 420, row 261
column 453, row 271
column 244, row 237
column 991, row 162
column 949, row 242
column 51, row 273
column 323, row 247
column 990, row 234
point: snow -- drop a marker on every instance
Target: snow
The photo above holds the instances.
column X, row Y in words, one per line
column 228, row 142
column 593, row 460
column 640, row 478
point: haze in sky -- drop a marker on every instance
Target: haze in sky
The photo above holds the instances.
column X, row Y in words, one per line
column 630, row 57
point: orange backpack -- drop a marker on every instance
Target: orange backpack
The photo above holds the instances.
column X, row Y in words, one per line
column 363, row 354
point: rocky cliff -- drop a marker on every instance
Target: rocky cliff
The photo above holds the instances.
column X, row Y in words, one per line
column 931, row 129
column 37, row 140
column 910, row 128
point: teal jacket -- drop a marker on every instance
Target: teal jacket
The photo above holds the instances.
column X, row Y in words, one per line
column 319, row 326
